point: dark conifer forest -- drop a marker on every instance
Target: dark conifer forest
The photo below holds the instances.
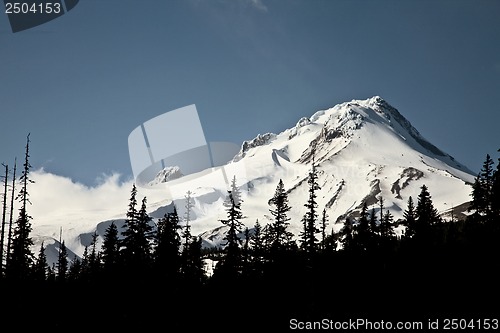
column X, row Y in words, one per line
column 152, row 275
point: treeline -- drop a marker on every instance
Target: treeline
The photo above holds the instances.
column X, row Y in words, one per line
column 151, row 273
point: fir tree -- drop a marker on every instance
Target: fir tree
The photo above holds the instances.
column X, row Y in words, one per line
column 196, row 273
column 426, row 214
column 11, row 216
column 94, row 258
column 495, row 192
column 386, row 226
column 62, row 263
column 21, row 257
column 232, row 260
column 324, row 224
column 381, row 207
column 4, row 218
column 137, row 236
column 410, row 218
column 309, row 240
column 235, row 191
column 167, row 252
column 374, row 228
column 110, row 249
column 186, row 235
column 280, row 237
column 362, row 236
column 41, row 266
column 246, row 249
column 75, row 269
column 257, row 249
column 347, row 235
column 482, row 189
column 84, row 264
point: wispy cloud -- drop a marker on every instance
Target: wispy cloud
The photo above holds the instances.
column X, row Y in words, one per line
column 258, row 4
column 59, row 201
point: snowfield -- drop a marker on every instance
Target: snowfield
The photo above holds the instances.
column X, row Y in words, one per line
column 363, row 149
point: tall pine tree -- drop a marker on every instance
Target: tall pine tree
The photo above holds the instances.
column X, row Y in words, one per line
column 309, row 241
column 21, row 257
column 110, row 250
column 168, row 244
column 230, row 267
column 137, row 237
column 280, row 236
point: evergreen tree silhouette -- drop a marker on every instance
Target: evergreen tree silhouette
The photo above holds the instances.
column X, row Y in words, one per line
column 257, row 250
column 196, row 274
column 386, row 227
column 495, row 193
column 4, row 218
column 41, row 266
column 62, row 263
column 94, row 262
column 167, row 252
column 347, row 235
column 309, row 241
column 483, row 191
column 280, row 237
column 410, row 218
column 137, row 237
column 426, row 215
column 110, row 250
column 230, row 267
column 75, row 269
column 21, row 257
column 374, row 229
column 11, row 216
column 236, row 192
column 362, row 237
column 324, row 224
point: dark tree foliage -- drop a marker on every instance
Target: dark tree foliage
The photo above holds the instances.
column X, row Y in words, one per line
column 482, row 189
column 168, row 244
column 347, row 235
column 231, row 264
column 94, row 260
column 195, row 274
column 279, row 236
column 62, row 263
column 40, row 268
column 137, row 237
column 309, row 241
column 75, row 269
column 21, row 257
column 4, row 218
column 257, row 251
column 362, row 237
column 324, row 224
column 110, row 249
column 426, row 214
column 410, row 219
column 426, row 272
column 387, row 227
column 495, row 193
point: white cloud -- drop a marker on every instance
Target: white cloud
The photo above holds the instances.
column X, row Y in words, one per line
column 58, row 202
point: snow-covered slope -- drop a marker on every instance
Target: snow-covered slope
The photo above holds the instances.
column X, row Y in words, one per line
column 363, row 149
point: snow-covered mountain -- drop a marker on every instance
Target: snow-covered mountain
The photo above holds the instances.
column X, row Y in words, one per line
column 363, row 149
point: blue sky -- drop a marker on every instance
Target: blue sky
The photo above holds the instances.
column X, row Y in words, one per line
column 81, row 83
